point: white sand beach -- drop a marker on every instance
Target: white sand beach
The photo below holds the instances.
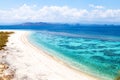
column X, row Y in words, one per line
column 32, row 63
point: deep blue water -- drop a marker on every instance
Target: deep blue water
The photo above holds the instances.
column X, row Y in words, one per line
column 112, row 30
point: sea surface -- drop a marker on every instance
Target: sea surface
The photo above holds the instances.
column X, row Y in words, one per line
column 94, row 49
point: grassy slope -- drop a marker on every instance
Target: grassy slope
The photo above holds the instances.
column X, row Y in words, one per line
column 4, row 38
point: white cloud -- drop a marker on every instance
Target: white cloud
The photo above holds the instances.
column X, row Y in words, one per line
column 28, row 13
column 96, row 6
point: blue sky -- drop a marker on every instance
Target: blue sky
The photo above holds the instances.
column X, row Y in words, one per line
column 7, row 4
column 75, row 11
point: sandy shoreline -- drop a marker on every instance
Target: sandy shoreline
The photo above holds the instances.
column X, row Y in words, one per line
column 32, row 63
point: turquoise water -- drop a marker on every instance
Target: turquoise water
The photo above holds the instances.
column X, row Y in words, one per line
column 92, row 55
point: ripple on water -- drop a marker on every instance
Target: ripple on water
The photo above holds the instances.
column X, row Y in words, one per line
column 101, row 53
column 110, row 53
column 98, row 58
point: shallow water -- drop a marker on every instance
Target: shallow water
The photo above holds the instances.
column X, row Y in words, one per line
column 99, row 56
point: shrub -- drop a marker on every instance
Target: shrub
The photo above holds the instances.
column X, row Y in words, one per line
column 4, row 38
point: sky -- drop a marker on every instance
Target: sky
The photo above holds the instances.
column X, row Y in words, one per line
column 60, row 11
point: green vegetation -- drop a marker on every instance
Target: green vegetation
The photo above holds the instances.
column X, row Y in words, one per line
column 118, row 78
column 4, row 38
